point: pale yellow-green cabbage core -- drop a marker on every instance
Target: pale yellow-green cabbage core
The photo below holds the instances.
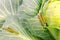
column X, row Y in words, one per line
column 53, row 13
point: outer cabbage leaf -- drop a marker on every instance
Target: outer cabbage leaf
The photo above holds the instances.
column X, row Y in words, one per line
column 30, row 7
column 55, row 32
column 16, row 23
column 8, row 7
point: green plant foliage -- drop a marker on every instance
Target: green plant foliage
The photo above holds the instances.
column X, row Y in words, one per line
column 21, row 16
